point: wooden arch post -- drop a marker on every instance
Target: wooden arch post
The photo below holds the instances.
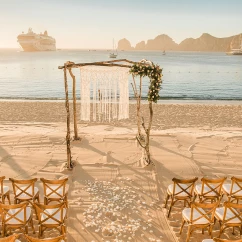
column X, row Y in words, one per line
column 68, row 138
column 76, row 137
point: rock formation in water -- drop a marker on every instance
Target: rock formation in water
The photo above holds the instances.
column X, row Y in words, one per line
column 205, row 42
column 161, row 42
column 124, row 44
column 140, row 46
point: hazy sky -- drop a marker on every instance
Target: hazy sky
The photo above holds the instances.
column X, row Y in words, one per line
column 94, row 23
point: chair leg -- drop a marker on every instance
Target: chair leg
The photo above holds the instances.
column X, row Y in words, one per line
column 194, row 197
column 167, row 198
column 211, row 231
column 26, row 229
column 3, row 231
column 220, row 231
column 170, row 208
column 40, row 231
column 183, row 222
column 8, row 196
column 63, row 230
column 233, row 231
column 188, row 233
column 32, row 225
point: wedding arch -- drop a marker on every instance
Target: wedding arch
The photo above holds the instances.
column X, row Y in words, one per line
column 107, row 83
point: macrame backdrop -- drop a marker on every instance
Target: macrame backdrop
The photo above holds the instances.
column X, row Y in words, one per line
column 104, row 93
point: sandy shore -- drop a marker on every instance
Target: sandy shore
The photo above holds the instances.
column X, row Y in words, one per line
column 165, row 115
column 109, row 189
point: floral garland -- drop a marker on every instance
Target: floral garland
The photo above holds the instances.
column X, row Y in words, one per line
column 154, row 72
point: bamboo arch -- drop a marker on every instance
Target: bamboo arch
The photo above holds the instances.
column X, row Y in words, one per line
column 68, row 66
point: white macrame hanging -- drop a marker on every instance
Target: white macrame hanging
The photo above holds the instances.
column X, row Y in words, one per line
column 104, row 93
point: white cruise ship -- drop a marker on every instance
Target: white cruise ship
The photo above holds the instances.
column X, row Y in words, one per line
column 36, row 42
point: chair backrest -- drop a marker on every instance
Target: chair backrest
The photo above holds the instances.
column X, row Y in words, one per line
column 56, row 239
column 212, row 186
column 185, row 186
column 232, row 213
column 203, row 212
column 1, row 184
column 236, row 187
column 51, row 214
column 11, row 238
column 23, row 187
column 55, row 188
column 14, row 214
column 226, row 240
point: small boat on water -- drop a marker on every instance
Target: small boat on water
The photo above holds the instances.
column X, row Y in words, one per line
column 112, row 54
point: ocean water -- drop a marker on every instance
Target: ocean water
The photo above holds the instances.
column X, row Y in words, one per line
column 186, row 75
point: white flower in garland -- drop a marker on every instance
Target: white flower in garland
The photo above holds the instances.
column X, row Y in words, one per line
column 154, row 72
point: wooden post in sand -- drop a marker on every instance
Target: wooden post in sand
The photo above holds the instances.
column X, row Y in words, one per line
column 74, row 104
column 68, row 139
column 154, row 72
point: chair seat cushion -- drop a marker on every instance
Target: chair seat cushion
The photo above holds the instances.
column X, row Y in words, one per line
column 236, row 189
column 57, row 216
column 19, row 215
column 206, row 189
column 177, row 190
column 219, row 213
column 186, row 213
column 29, row 191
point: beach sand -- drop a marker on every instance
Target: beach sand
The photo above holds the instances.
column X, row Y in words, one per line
column 109, row 188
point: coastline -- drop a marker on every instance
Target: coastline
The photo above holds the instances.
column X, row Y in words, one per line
column 133, row 101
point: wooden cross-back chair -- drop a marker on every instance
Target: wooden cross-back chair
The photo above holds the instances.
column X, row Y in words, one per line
column 4, row 191
column 233, row 190
column 11, row 238
column 16, row 216
column 56, row 239
column 230, row 215
column 199, row 216
column 51, row 216
column 226, row 240
column 210, row 189
column 221, row 240
column 25, row 190
column 180, row 190
column 55, row 190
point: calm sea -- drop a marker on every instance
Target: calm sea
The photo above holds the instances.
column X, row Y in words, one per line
column 186, row 75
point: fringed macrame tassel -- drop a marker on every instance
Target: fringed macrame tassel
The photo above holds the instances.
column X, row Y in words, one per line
column 108, row 88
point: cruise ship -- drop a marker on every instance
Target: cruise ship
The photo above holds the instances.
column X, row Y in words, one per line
column 36, row 42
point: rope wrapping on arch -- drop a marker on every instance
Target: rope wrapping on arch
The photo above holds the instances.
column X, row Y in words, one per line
column 104, row 93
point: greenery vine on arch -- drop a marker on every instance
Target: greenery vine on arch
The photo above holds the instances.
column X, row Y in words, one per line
column 146, row 68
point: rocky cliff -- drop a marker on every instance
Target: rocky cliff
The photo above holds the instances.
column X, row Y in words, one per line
column 124, row 44
column 205, row 42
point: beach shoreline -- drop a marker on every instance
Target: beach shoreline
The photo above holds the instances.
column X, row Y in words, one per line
column 169, row 115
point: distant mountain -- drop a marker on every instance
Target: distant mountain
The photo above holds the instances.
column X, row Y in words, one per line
column 205, row 42
column 124, row 44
